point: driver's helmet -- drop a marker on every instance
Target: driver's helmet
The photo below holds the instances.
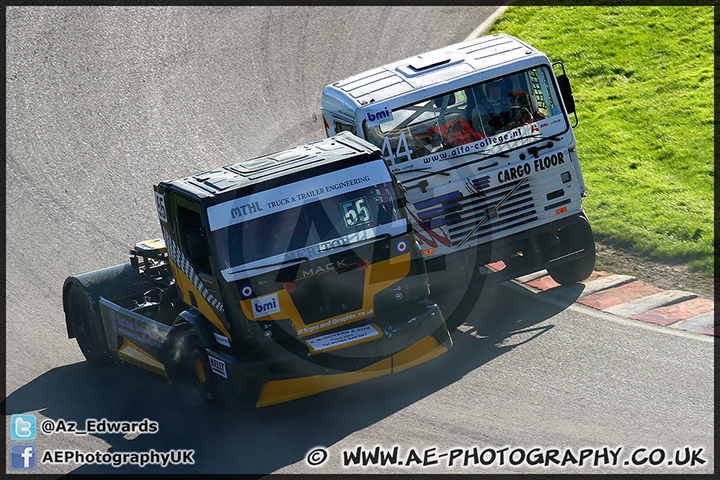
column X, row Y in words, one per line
column 503, row 83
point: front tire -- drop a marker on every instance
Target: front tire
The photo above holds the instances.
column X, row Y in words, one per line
column 577, row 270
column 199, row 371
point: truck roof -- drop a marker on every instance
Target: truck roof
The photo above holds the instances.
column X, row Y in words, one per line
column 274, row 165
column 450, row 63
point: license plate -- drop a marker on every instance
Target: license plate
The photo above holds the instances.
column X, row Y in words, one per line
column 343, row 337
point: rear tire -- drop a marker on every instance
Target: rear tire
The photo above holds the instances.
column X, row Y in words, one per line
column 87, row 327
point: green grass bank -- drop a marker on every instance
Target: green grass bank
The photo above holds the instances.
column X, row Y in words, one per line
column 642, row 77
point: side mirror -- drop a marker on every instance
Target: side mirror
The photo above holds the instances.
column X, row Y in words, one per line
column 400, row 192
column 566, row 92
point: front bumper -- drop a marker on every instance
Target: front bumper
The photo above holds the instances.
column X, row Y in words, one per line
column 282, row 375
column 539, row 248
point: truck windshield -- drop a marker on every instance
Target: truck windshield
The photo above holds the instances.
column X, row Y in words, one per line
column 305, row 221
column 478, row 117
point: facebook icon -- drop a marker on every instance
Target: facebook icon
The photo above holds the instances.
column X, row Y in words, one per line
column 23, row 457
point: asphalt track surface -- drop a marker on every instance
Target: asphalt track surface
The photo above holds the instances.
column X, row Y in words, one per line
column 104, row 102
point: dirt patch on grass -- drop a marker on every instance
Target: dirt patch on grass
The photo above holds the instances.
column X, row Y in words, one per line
column 661, row 275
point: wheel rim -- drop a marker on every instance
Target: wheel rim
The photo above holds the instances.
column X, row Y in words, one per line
column 200, row 372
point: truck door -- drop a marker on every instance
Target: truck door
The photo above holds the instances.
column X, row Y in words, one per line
column 191, row 258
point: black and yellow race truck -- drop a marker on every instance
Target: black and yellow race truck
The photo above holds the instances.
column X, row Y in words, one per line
column 276, row 278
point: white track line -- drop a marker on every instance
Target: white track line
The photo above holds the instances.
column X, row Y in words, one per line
column 485, row 26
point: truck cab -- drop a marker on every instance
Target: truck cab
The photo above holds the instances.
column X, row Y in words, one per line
column 480, row 136
column 284, row 276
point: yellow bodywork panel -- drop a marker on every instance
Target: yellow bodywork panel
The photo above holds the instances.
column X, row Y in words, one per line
column 131, row 353
column 422, row 351
column 186, row 286
column 278, row 391
column 156, row 244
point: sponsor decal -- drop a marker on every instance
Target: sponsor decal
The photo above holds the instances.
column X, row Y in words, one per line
column 335, row 321
column 267, row 305
column 401, row 246
column 296, row 194
column 339, row 338
column 520, row 170
column 247, row 209
column 247, row 291
column 132, row 328
column 376, row 117
column 486, row 145
column 222, row 339
column 218, row 366
column 406, row 167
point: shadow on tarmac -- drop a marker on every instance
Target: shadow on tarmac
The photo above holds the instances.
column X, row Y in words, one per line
column 249, row 441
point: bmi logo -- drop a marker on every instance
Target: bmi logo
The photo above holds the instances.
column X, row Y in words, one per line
column 266, row 305
column 376, row 118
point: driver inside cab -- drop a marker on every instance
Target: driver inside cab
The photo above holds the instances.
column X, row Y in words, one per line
column 491, row 107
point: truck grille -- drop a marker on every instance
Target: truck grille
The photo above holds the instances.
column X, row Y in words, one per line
column 461, row 214
column 329, row 294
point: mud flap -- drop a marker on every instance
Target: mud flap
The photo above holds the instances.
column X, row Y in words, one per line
column 136, row 339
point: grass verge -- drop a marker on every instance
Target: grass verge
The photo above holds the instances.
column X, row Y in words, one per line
column 643, row 84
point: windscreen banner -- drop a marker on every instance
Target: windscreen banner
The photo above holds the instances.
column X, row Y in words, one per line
column 296, row 194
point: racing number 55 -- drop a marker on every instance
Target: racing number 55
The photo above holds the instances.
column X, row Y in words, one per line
column 356, row 212
column 160, row 202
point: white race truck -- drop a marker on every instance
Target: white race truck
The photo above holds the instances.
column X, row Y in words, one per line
column 479, row 135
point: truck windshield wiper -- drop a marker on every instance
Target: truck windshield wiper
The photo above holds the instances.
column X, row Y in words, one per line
column 425, row 169
column 365, row 240
column 535, row 135
column 500, row 154
column 290, row 261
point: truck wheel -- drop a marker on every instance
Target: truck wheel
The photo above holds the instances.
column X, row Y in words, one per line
column 576, row 270
column 198, row 367
column 89, row 332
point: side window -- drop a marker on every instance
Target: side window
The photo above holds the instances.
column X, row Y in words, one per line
column 544, row 92
column 345, row 127
column 193, row 238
